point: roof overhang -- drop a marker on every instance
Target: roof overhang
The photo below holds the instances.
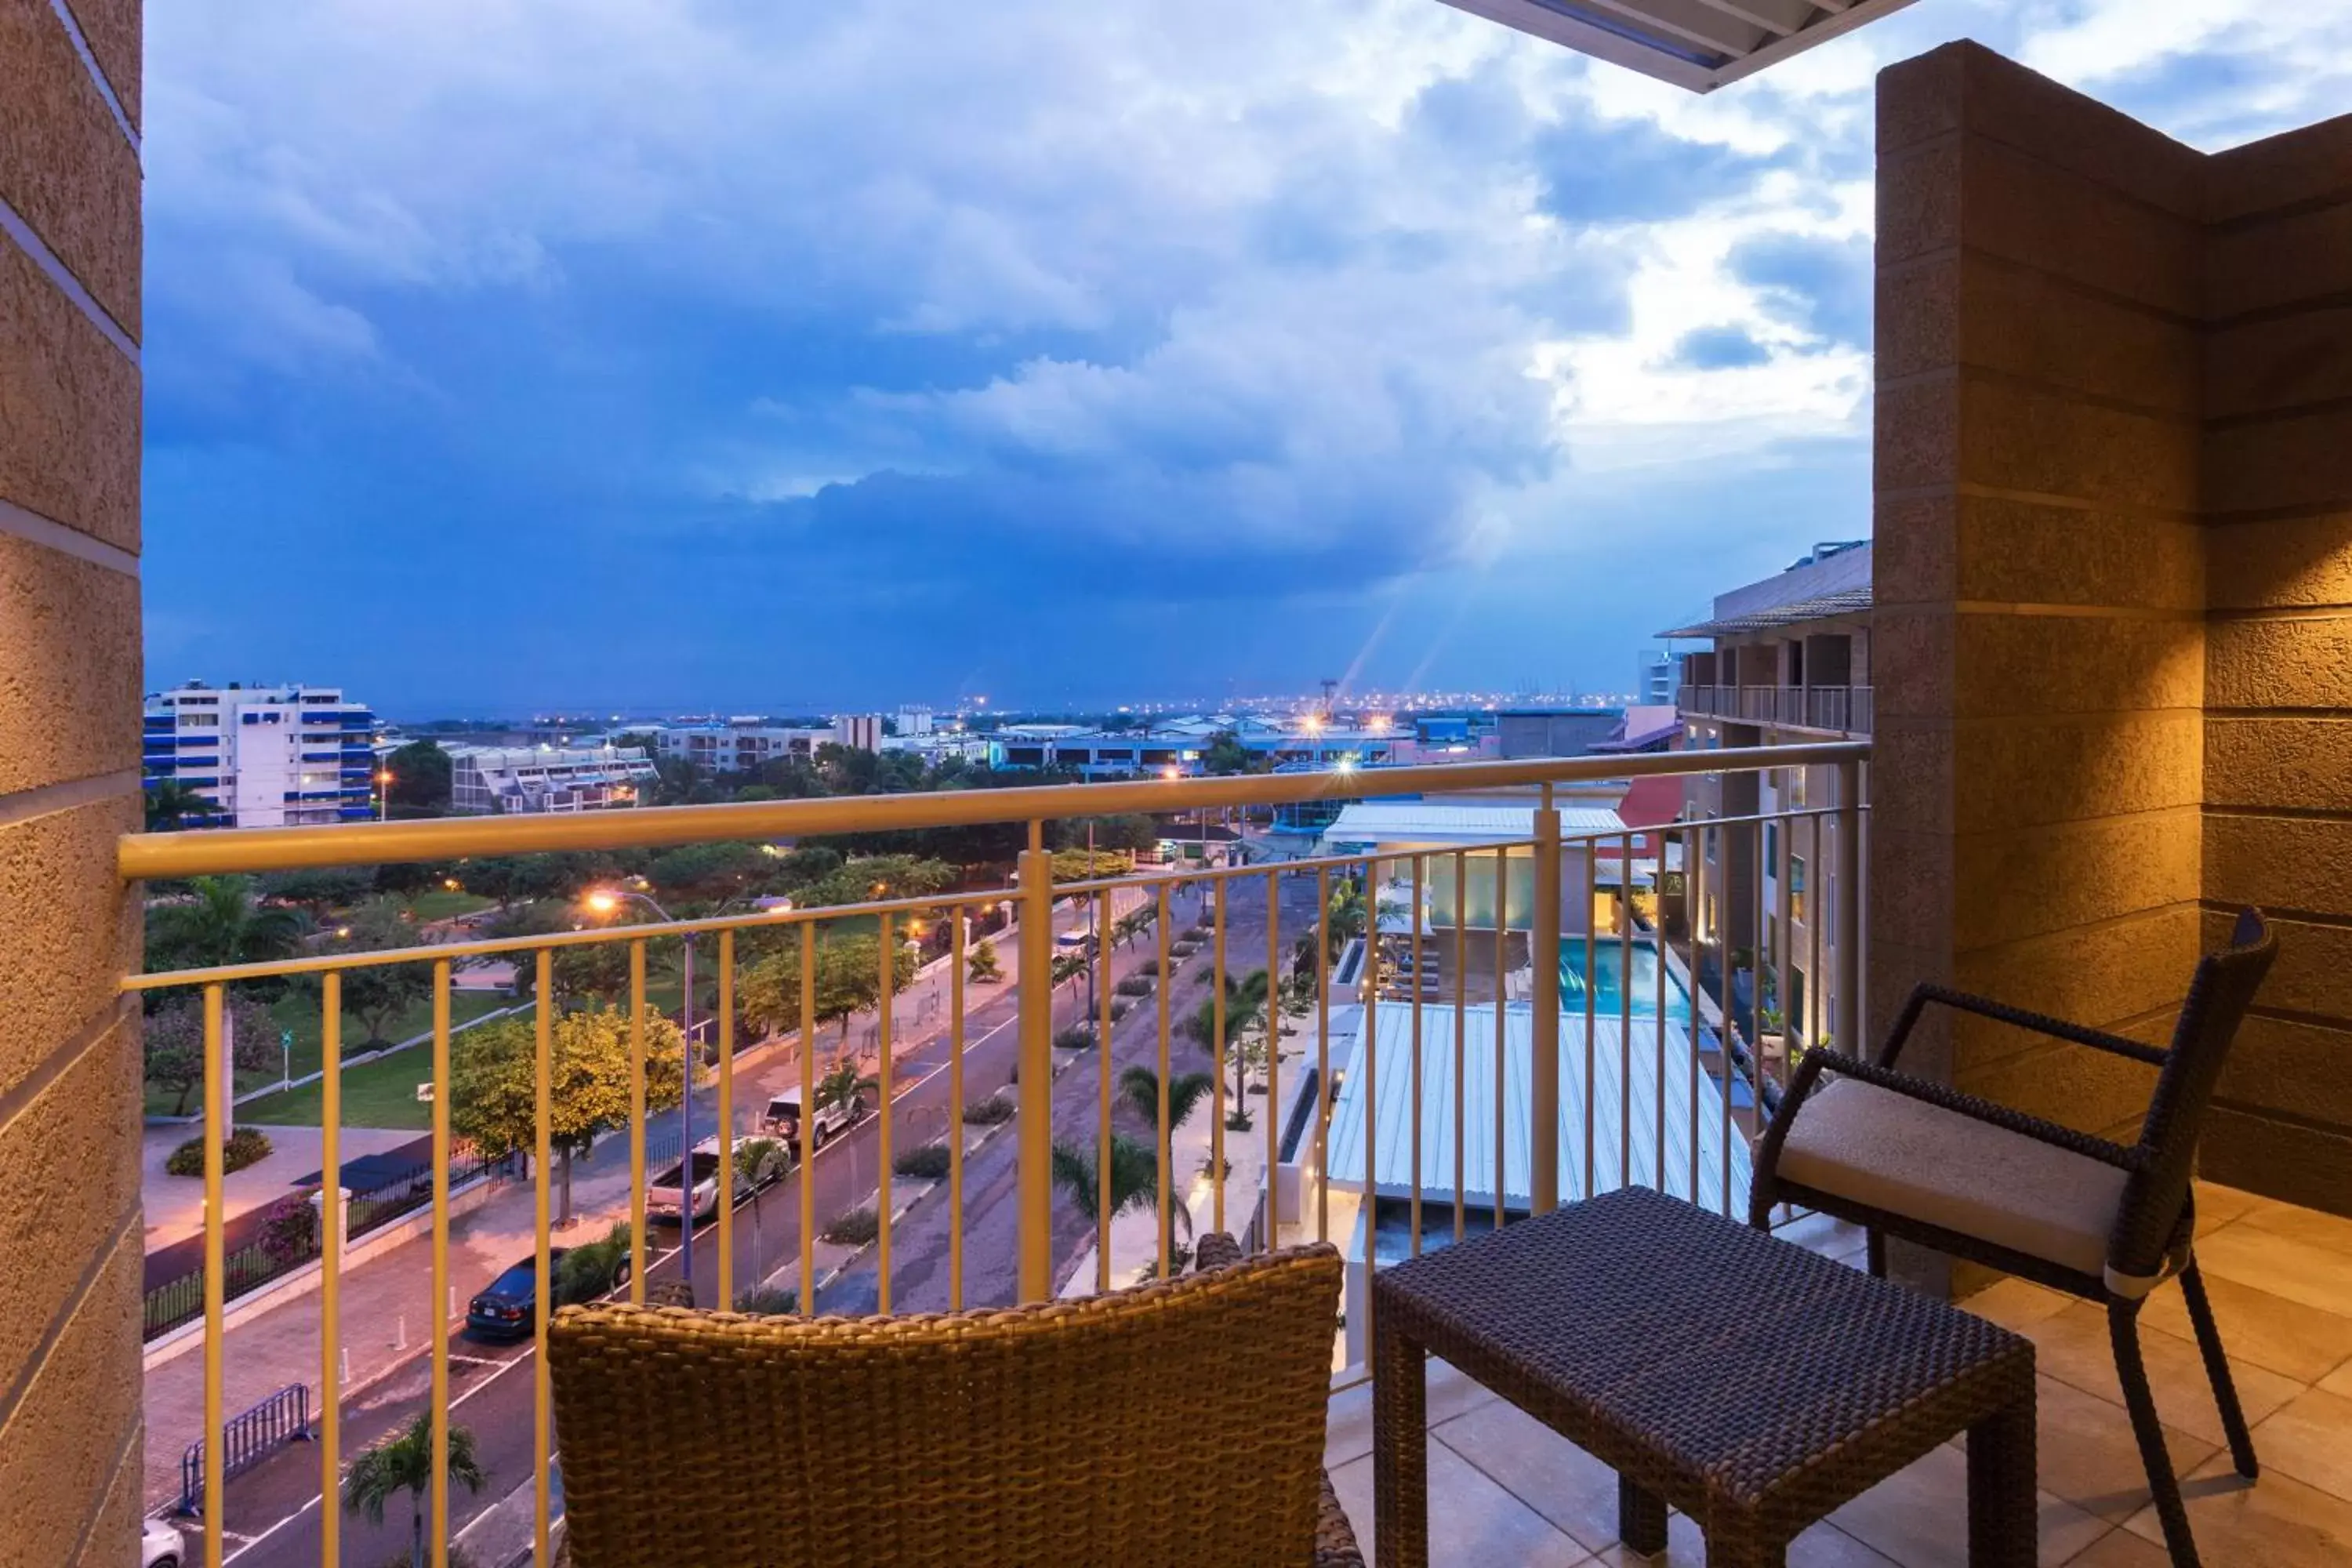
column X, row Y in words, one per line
column 1698, row 44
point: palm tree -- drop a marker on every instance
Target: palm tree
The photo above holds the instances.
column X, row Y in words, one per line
column 841, row 1084
column 1138, row 1090
column 1245, row 1010
column 170, row 802
column 1134, row 1178
column 225, row 923
column 404, row 1463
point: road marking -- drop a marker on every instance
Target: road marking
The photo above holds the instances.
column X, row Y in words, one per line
column 503, row 1367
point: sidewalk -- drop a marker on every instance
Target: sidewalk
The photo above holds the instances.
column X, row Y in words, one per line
column 176, row 1205
column 386, row 1302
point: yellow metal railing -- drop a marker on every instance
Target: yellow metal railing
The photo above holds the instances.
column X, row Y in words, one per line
column 1224, row 897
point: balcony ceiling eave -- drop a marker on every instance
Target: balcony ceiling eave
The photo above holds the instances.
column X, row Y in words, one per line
column 1696, row 44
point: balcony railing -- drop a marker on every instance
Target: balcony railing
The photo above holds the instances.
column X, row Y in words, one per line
column 1564, row 1008
column 1835, row 710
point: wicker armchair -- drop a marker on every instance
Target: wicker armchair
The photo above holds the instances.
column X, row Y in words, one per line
column 1985, row 1182
column 1176, row 1423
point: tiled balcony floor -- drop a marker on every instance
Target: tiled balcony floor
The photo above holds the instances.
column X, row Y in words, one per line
column 1504, row 1490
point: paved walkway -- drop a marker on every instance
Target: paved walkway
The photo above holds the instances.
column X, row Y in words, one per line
column 176, row 1205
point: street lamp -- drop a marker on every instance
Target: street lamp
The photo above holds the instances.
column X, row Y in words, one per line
column 606, row 902
column 383, row 794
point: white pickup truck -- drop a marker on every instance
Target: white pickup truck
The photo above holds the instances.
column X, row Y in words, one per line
column 784, row 1118
column 663, row 1192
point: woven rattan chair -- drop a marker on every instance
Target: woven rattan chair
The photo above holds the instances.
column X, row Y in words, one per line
column 1981, row 1182
column 1176, row 1423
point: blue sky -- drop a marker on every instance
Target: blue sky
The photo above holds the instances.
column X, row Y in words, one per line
column 679, row 353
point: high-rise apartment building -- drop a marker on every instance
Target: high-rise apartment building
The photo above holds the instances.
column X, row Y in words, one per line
column 265, row 756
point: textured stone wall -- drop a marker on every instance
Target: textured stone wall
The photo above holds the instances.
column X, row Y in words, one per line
column 2277, row 487
column 69, row 682
column 2038, row 638
column 2114, row 595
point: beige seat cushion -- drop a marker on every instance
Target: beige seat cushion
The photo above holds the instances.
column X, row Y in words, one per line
column 1858, row 1140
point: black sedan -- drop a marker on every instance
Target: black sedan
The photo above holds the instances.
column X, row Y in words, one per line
column 504, row 1309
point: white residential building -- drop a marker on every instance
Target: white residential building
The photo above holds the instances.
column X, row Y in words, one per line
column 858, row 731
column 265, row 756
column 740, row 746
column 505, row 780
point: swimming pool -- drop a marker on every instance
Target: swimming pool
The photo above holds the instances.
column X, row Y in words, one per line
column 1609, row 980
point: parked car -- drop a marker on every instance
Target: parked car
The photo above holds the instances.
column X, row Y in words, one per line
column 159, row 1545
column 665, row 1191
column 784, row 1118
column 505, row 1307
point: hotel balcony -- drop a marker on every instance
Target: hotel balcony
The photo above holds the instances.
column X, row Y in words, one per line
column 1830, row 709
column 2109, row 687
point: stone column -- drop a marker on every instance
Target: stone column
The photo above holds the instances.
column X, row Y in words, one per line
column 71, row 1454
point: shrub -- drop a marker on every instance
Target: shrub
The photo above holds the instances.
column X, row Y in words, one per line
column 242, row 1148
column 767, row 1302
column 1119, row 1006
column 289, row 1230
column 928, row 1164
column 1076, row 1037
column 1135, row 986
column 855, row 1228
column 1149, row 966
column 988, row 1113
column 591, row 1268
column 1238, row 1120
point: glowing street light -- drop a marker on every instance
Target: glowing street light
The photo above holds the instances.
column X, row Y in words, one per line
column 602, row 902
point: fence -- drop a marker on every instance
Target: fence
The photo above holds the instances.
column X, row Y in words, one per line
column 1644, row 1079
column 248, row 1439
column 248, row 1268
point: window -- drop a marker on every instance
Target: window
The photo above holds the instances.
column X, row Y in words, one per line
column 1709, row 837
column 1829, row 901
column 1772, row 848
column 1797, row 785
column 1796, row 887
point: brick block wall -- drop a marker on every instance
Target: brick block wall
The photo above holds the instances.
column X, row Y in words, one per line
column 2277, row 494
column 2113, row 590
column 71, row 1434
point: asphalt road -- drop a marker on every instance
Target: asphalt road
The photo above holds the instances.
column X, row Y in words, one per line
column 272, row 1516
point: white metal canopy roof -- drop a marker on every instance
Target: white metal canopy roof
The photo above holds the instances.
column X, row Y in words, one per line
column 1698, row 44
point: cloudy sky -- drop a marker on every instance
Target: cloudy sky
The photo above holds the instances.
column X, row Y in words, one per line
column 507, row 355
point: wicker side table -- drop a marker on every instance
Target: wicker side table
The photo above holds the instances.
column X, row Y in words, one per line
column 1747, row 1381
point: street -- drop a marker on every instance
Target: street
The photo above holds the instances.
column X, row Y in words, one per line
column 272, row 1515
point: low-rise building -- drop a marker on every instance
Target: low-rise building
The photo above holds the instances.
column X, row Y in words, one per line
column 505, row 781
column 264, row 756
column 1788, row 662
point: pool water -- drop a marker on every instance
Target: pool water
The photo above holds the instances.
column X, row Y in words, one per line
column 1608, row 959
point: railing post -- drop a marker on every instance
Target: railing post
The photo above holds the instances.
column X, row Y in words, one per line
column 1846, row 1027
column 1035, row 1186
column 1543, row 956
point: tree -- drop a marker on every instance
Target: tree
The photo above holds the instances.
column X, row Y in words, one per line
column 170, row 802
column 420, row 777
column 224, row 923
column 1245, row 1011
column 1225, row 754
column 404, row 1463
column 1138, row 1090
column 1134, row 1178
column 872, row 876
column 841, row 1084
column 319, row 890
column 174, row 1044
column 848, row 981
column 491, row 1090
column 709, row 873
column 981, row 965
column 1129, row 831
column 378, row 994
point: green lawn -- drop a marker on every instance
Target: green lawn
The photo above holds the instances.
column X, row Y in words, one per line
column 440, row 904
column 379, row 1093
column 301, row 1013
